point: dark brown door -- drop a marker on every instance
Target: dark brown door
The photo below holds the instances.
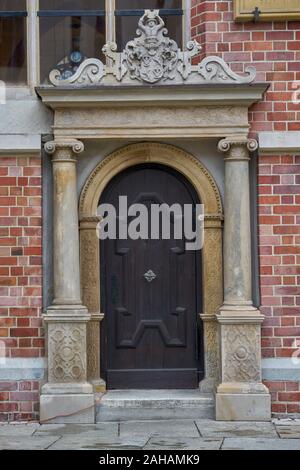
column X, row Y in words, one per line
column 150, row 293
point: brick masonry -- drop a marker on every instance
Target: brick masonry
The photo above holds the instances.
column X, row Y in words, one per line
column 21, row 332
column 279, row 255
column 274, row 49
column 285, row 397
column 19, row 400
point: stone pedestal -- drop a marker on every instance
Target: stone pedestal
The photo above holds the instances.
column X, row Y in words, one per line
column 241, row 394
column 67, row 397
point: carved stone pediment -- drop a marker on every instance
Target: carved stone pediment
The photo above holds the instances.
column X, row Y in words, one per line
column 151, row 58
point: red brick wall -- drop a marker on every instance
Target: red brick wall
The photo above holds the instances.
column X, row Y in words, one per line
column 279, row 254
column 19, row 401
column 21, row 333
column 285, row 397
column 273, row 48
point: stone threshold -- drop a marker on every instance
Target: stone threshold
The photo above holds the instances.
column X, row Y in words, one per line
column 131, row 405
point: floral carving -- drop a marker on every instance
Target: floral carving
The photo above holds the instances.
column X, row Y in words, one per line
column 242, row 353
column 67, row 353
column 152, row 57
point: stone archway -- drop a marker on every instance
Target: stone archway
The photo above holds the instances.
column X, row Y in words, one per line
column 209, row 195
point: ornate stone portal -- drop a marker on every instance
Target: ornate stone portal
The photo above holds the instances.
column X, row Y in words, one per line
column 213, row 106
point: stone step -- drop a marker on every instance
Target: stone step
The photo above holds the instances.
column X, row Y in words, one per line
column 132, row 405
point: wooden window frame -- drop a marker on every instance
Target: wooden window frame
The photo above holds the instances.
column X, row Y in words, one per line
column 18, row 14
column 33, row 14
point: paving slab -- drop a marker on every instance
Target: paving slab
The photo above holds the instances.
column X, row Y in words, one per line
column 210, row 428
column 99, row 430
column 26, row 443
column 260, row 444
column 177, row 434
column 163, row 428
column 81, row 442
column 18, row 429
column 183, row 443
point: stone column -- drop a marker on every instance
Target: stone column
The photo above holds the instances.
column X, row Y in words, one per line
column 241, row 394
column 67, row 397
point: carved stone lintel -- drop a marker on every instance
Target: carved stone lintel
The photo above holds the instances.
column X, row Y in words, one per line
column 237, row 148
column 152, row 57
column 64, row 149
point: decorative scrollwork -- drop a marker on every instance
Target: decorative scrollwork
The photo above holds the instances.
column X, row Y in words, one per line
column 242, row 353
column 238, row 148
column 64, row 149
column 91, row 71
column 214, row 69
column 152, row 57
column 67, row 346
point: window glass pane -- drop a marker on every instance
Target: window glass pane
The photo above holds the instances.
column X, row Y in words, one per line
column 72, row 4
column 59, row 37
column 12, row 5
column 13, row 50
column 147, row 4
column 126, row 27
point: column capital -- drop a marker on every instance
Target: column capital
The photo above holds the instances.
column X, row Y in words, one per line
column 237, row 148
column 64, row 149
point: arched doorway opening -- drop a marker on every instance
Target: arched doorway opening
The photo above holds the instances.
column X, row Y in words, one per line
column 151, row 287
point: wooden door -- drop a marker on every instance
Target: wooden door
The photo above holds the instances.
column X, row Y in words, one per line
column 151, row 337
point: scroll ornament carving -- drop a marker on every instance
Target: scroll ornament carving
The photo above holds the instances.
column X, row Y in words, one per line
column 242, row 346
column 64, row 149
column 67, row 348
column 152, row 57
column 228, row 144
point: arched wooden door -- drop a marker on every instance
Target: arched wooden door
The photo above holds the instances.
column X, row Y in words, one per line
column 151, row 337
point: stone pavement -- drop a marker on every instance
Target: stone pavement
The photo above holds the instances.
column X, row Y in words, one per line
column 154, row 435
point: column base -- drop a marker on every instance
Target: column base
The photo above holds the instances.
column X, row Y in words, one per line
column 67, row 409
column 243, row 402
column 67, row 403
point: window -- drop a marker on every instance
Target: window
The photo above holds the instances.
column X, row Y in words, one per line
column 72, row 30
column 13, row 54
column 127, row 13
